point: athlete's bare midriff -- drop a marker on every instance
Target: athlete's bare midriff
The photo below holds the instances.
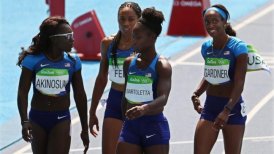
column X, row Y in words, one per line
column 50, row 103
column 118, row 87
column 223, row 90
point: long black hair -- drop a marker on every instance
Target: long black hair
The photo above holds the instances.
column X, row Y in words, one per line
column 41, row 41
column 117, row 37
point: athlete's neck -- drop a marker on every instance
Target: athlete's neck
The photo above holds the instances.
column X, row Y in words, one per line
column 54, row 54
column 220, row 41
column 149, row 54
column 125, row 42
column 126, row 38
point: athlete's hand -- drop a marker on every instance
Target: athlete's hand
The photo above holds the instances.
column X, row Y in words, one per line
column 221, row 120
column 196, row 103
column 27, row 131
column 93, row 120
column 85, row 139
column 136, row 112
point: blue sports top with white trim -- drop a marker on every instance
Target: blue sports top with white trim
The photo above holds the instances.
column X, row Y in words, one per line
column 142, row 83
column 52, row 78
column 220, row 64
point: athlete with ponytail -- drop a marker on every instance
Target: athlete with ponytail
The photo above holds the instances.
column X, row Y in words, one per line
column 224, row 76
column 114, row 50
column 50, row 67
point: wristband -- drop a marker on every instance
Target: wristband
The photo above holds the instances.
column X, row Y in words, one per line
column 228, row 108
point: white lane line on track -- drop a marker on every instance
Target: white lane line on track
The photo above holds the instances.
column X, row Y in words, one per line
column 191, row 63
column 256, row 109
column 22, row 150
column 255, row 139
column 261, row 139
column 183, row 58
column 258, row 106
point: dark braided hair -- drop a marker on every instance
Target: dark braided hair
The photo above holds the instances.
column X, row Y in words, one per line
column 228, row 29
column 117, row 37
column 152, row 19
column 41, row 42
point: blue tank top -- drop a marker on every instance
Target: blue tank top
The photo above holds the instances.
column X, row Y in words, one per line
column 141, row 83
column 220, row 64
column 116, row 73
column 49, row 77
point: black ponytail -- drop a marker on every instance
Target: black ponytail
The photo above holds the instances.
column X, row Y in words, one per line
column 114, row 48
column 229, row 30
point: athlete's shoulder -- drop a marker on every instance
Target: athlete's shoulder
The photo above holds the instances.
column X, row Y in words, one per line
column 163, row 60
column 106, row 41
column 164, row 67
column 234, row 40
column 207, row 44
column 72, row 54
column 237, row 46
column 31, row 60
column 105, row 45
column 34, row 56
column 76, row 60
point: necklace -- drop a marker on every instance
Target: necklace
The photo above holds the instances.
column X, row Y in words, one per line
column 218, row 53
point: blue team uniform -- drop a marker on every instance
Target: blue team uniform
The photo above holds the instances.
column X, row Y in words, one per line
column 141, row 89
column 52, row 78
column 220, row 69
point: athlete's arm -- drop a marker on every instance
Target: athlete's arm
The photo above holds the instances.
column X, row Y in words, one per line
column 22, row 101
column 238, row 86
column 81, row 104
column 80, row 98
column 164, row 72
column 202, row 87
column 99, row 86
column 197, row 93
column 239, row 80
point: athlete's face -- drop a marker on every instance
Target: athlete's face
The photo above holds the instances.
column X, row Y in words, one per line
column 127, row 18
column 63, row 40
column 143, row 38
column 214, row 24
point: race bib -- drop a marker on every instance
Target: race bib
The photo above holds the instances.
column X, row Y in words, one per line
column 216, row 70
column 116, row 73
column 51, row 81
column 139, row 89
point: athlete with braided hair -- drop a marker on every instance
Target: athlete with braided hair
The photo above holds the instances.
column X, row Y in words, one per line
column 114, row 50
column 49, row 66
